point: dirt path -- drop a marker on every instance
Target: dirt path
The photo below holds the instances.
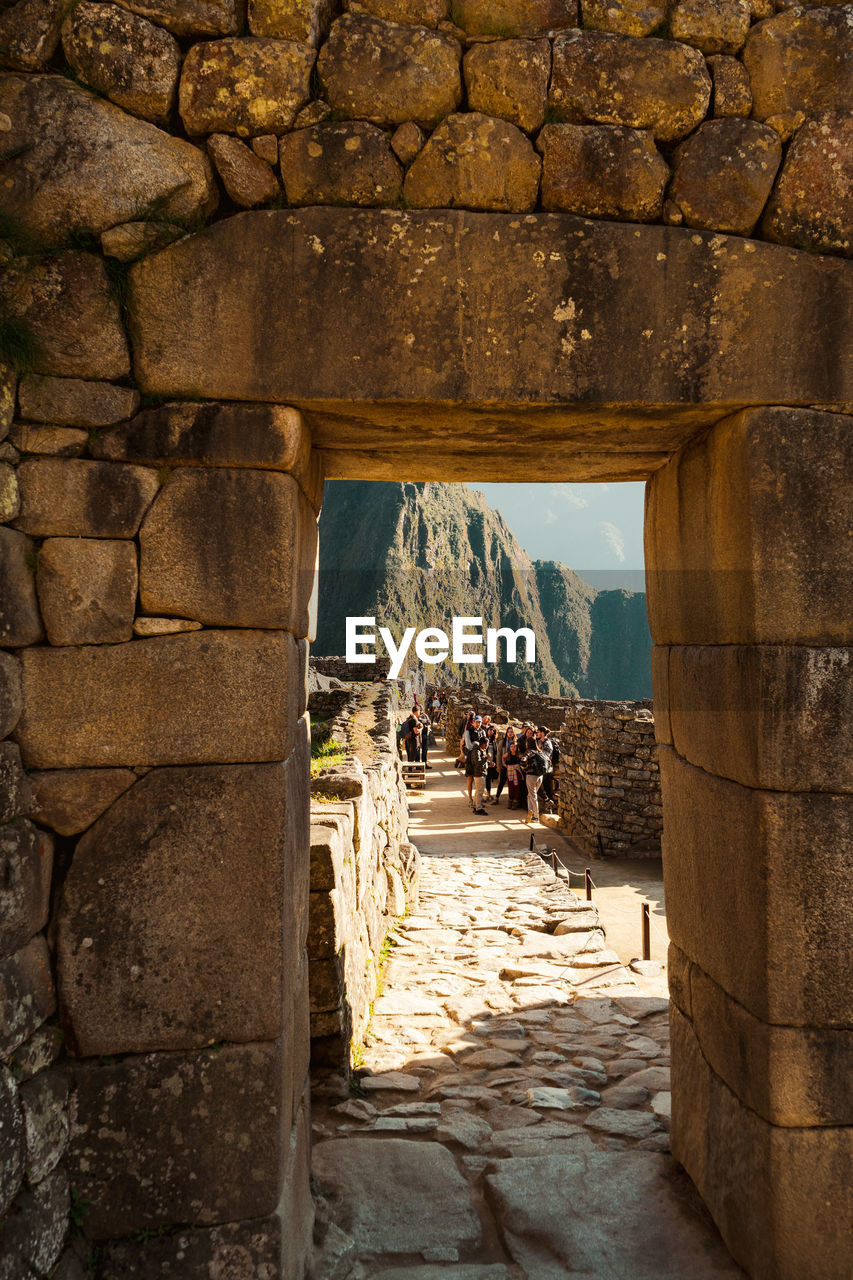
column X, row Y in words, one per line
column 511, row 1119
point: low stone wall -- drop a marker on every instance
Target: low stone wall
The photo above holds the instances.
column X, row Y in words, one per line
column 364, row 875
column 350, row 672
column 609, row 796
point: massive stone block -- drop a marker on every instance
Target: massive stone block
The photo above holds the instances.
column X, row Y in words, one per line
column 325, row 295
column 216, row 1112
column 65, row 301
column 169, row 934
column 755, row 897
column 197, row 1251
column 123, row 56
column 87, row 590
column 73, row 402
column 190, row 17
column 80, row 164
column 513, row 17
column 306, row 20
column 723, row 174
column 791, row 1076
column 12, row 1124
column 473, row 161
column 603, row 170
column 20, row 620
column 82, row 499
column 387, row 74
column 624, row 17
column 70, row 800
column 509, row 79
column 10, row 693
column 780, row 1196
column 340, row 163
column 644, row 84
column 206, row 697
column 748, row 534
column 779, row 717
column 29, row 33
column 15, row 791
column 714, row 26
column 202, row 558
column 246, row 86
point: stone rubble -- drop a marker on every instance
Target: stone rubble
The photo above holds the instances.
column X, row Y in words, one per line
column 473, row 1073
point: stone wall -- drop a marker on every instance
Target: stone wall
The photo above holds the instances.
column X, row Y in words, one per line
column 156, row 810
column 364, row 875
column 609, row 797
column 350, row 672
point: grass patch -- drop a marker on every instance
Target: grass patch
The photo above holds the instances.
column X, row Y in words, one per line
column 326, row 754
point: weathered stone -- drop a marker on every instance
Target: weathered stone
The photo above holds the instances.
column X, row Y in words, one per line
column 406, row 141
column 340, row 164
column 80, row 164
column 245, row 86
column 125, row 57
column 766, row 562
column 207, row 697
column 801, row 61
column 630, row 286
column 776, row 939
column 306, row 20
column 732, row 94
column 779, row 1196
column 163, row 626
column 44, row 1102
column 616, row 1198
column 735, row 711
column 36, row 1054
column 714, row 26
column 647, row 84
column 132, row 240
column 190, row 17
column 52, row 442
column 20, row 620
column 15, row 793
column 791, row 1076
column 509, row 79
column 314, row 113
column 73, row 402
column 624, row 1124
column 66, row 305
column 247, row 178
column 812, row 205
column 36, row 1226
column 8, row 385
column 513, row 17
column 200, row 558
column 217, row 1112
column 387, row 74
column 602, row 171
column 12, row 1129
column 10, row 496
column 417, row 13
column 26, row 861
column 187, row 870
column 77, row 498
column 10, row 692
column 396, row 1196
column 473, row 161
column 723, row 174
column 266, row 146
column 254, row 1247
column 624, row 17
column 29, row 34
column 69, row 800
column 87, row 590
column 26, row 994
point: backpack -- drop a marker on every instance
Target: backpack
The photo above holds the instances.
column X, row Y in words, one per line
column 556, row 754
column 537, row 763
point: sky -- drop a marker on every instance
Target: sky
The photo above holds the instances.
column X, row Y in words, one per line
column 595, row 529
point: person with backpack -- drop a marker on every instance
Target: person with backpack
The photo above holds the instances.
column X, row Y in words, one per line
column 535, row 764
column 474, row 746
column 546, row 746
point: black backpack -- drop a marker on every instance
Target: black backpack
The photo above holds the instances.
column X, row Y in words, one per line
column 556, row 754
column 537, row 763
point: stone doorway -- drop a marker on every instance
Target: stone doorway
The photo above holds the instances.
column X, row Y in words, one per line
column 385, row 345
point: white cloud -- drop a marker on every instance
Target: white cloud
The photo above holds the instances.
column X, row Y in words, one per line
column 549, row 516
column 614, row 539
column 566, row 493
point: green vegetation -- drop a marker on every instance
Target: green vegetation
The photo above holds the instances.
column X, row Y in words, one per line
column 325, row 754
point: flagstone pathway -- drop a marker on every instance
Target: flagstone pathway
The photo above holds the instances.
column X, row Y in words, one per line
column 511, row 1118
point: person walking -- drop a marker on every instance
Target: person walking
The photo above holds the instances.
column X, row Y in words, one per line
column 473, row 742
column 535, row 763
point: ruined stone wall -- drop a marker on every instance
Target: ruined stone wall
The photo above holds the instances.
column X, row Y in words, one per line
column 364, row 875
column 609, row 795
column 350, row 672
column 505, row 702
column 156, row 808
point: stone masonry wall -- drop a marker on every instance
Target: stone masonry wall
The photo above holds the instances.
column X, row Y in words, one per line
column 364, row 875
column 153, row 909
column 609, row 797
column 721, row 115
column 340, row 669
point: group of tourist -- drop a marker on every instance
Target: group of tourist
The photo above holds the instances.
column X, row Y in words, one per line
column 521, row 760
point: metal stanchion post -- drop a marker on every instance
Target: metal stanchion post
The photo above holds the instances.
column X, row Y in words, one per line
column 588, row 879
column 647, row 937
column 531, row 842
column 553, row 862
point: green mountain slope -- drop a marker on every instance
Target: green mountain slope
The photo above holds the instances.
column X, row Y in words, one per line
column 417, row 554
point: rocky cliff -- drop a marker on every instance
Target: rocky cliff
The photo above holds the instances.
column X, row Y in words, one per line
column 417, row 554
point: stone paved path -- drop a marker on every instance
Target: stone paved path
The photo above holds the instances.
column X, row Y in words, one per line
column 511, row 1119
